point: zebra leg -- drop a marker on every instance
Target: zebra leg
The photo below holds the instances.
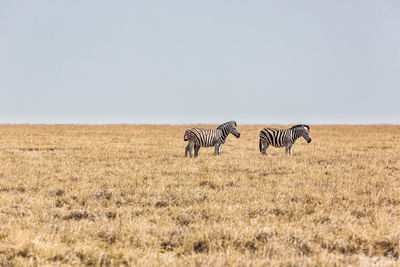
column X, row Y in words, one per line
column 286, row 149
column 190, row 149
column 290, row 150
column 187, row 150
column 218, row 148
column 264, row 149
column 196, row 150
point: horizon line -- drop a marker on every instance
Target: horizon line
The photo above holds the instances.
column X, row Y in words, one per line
column 179, row 124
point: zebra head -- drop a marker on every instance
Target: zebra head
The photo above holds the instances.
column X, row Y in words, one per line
column 304, row 131
column 229, row 127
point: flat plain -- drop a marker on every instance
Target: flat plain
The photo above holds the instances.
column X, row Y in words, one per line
column 126, row 195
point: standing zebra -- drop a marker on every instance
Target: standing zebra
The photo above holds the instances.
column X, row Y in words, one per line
column 283, row 138
column 208, row 137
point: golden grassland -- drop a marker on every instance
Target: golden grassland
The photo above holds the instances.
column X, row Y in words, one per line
column 126, row 195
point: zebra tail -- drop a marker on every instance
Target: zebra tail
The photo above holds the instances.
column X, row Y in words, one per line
column 260, row 145
column 185, row 137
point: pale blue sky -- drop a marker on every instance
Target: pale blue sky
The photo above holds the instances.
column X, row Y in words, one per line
column 199, row 61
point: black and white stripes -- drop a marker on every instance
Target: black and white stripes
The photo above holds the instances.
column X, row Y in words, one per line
column 283, row 138
column 199, row 137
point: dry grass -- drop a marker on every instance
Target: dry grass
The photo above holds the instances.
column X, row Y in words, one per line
column 125, row 195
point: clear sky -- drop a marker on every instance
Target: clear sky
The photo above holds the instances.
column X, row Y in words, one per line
column 199, row 61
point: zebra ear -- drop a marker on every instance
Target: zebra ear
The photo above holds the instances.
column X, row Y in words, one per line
column 234, row 122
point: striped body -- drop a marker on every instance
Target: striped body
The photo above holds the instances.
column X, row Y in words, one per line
column 204, row 137
column 199, row 137
column 283, row 138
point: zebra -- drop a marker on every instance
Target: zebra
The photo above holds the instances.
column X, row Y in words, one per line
column 283, row 138
column 198, row 137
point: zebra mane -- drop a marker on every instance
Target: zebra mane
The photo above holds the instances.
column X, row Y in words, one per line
column 300, row 125
column 226, row 123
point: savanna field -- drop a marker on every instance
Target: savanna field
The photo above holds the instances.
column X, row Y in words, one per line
column 126, row 195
